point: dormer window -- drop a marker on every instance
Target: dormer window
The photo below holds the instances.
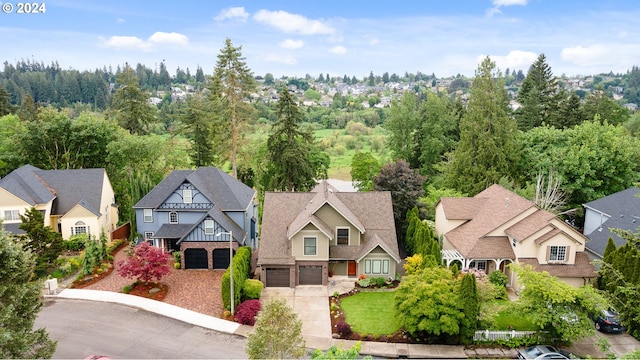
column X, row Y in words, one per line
column 558, row 253
column 187, row 196
column 514, row 242
column 342, row 236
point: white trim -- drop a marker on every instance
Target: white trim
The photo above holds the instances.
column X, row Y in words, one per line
column 338, row 228
column 315, row 245
column 187, row 196
column 147, row 214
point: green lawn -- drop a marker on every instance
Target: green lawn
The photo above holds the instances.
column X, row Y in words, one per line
column 371, row 313
column 503, row 316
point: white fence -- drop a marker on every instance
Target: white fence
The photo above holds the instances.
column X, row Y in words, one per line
column 491, row 335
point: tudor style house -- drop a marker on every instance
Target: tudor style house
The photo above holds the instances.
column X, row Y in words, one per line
column 308, row 236
column 620, row 210
column 72, row 201
column 193, row 211
column 498, row 227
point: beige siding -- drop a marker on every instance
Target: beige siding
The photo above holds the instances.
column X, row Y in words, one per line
column 109, row 213
column 79, row 213
column 378, row 255
column 580, row 240
column 443, row 225
column 333, row 218
column 527, row 248
column 322, row 246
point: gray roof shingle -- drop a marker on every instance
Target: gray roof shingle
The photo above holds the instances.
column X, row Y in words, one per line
column 225, row 192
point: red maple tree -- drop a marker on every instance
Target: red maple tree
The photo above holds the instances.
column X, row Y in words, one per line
column 146, row 263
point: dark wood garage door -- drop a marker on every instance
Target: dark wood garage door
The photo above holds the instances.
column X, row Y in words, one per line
column 221, row 258
column 277, row 277
column 196, row 259
column 310, row 275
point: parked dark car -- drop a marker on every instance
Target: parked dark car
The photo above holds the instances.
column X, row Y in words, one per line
column 608, row 321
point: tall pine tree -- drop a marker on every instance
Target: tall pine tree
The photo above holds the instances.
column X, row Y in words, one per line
column 488, row 147
column 538, row 96
column 231, row 86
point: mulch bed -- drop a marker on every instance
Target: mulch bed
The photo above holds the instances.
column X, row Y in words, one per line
column 149, row 290
column 95, row 277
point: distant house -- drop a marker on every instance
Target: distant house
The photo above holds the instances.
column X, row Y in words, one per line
column 192, row 211
column 616, row 211
column 498, row 227
column 308, row 236
column 72, row 201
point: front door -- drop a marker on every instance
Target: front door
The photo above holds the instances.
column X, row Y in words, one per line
column 352, row 268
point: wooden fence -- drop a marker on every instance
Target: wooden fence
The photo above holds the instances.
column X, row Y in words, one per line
column 122, row 232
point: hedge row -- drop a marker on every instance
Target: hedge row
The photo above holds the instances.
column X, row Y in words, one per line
column 241, row 271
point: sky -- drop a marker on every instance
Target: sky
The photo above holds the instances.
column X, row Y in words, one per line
column 347, row 37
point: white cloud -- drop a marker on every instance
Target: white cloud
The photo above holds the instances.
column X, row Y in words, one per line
column 292, row 23
column 338, row 50
column 514, row 59
column 591, row 55
column 135, row 43
column 509, row 2
column 160, row 37
column 374, row 41
column 291, row 44
column 281, row 59
column 120, row 20
column 237, row 13
column 126, row 42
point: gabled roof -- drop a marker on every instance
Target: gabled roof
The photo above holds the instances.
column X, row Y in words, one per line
column 477, row 238
column 324, row 194
column 625, row 202
column 623, row 211
column 67, row 187
column 493, row 207
column 224, row 191
column 373, row 211
column 374, row 242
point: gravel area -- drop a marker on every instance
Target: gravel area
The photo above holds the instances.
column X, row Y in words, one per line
column 197, row 290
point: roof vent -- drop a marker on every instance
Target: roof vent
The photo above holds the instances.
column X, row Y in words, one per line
column 506, row 202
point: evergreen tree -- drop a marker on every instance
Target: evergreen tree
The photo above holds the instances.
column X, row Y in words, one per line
column 290, row 149
column 402, row 125
column 19, row 305
column 488, row 147
column 438, row 130
column 470, row 307
column 131, row 105
column 570, row 113
column 43, row 242
column 232, row 84
column 538, row 96
column 198, row 128
column 5, row 104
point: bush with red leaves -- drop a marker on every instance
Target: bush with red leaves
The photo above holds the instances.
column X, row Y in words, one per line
column 343, row 329
column 247, row 311
column 146, row 263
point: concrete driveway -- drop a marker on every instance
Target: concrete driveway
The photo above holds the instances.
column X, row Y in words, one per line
column 311, row 303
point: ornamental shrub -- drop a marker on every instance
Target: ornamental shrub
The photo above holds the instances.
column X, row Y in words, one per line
column 146, row 263
column 343, row 328
column 498, row 278
column 247, row 311
column 241, row 271
column 379, row 281
column 75, row 243
column 252, row 289
column 364, row 282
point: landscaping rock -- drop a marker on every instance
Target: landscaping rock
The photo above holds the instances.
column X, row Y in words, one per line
column 154, row 290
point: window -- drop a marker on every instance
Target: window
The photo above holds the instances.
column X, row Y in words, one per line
column 558, row 253
column 376, row 266
column 79, row 228
column 209, row 227
column 187, row 197
column 310, row 246
column 514, row 242
column 480, row 265
column 342, row 236
column 12, row 215
column 148, row 215
column 148, row 235
column 173, row 217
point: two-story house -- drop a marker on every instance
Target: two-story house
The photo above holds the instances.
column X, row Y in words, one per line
column 308, row 236
column 73, row 202
column 498, row 227
column 194, row 211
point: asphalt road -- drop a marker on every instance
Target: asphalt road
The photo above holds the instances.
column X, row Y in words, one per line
column 84, row 328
